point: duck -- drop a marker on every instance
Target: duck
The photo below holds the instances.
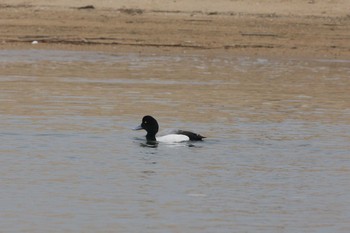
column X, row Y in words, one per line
column 151, row 126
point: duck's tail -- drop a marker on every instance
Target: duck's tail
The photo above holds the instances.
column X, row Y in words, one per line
column 191, row 135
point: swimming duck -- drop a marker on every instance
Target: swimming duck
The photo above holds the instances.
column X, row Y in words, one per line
column 151, row 126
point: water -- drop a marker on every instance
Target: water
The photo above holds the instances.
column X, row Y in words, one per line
column 276, row 158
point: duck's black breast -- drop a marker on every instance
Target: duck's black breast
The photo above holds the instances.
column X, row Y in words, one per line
column 191, row 135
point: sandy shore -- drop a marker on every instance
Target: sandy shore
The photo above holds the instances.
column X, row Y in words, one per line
column 295, row 28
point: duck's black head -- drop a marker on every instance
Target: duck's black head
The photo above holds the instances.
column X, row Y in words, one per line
column 151, row 126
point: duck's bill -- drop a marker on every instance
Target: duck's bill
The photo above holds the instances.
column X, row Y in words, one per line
column 137, row 128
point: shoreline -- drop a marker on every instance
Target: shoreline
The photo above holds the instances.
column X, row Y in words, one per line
column 115, row 29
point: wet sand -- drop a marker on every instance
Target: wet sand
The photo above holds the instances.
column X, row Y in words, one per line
column 274, row 28
column 225, row 31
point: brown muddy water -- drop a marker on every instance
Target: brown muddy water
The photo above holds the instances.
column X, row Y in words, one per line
column 277, row 156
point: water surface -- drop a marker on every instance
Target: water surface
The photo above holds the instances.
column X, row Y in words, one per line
column 276, row 158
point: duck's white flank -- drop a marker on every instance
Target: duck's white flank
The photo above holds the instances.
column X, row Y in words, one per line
column 171, row 138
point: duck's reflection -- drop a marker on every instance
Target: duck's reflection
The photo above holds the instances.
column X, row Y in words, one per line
column 149, row 144
column 155, row 144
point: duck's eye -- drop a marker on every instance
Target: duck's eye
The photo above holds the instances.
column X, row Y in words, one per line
column 145, row 122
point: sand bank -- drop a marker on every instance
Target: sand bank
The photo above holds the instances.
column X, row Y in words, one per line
column 273, row 28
